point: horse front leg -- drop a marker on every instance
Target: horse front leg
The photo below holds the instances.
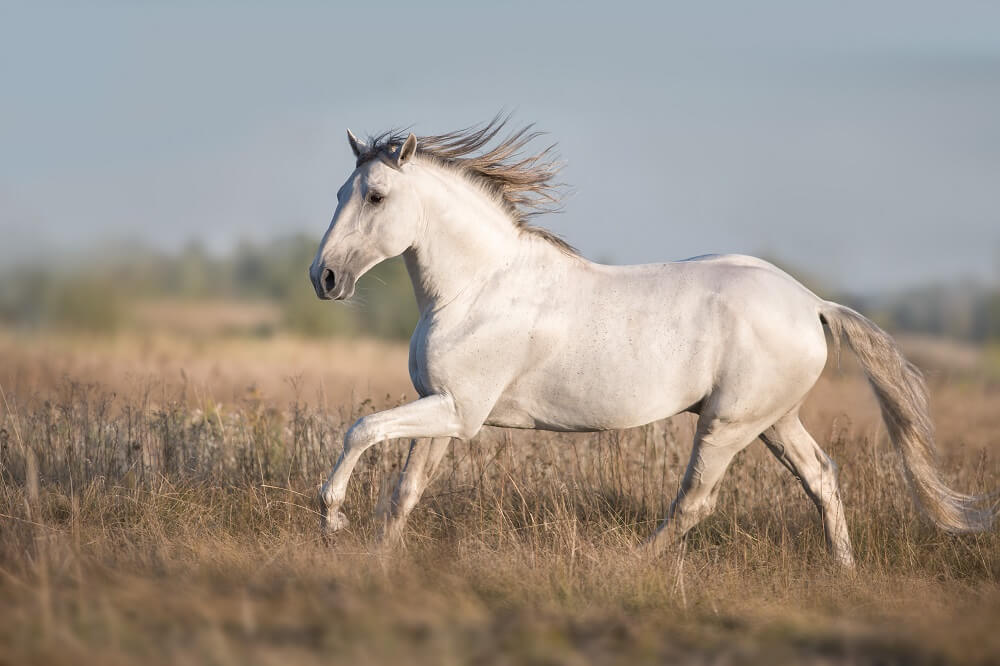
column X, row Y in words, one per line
column 421, row 463
column 433, row 416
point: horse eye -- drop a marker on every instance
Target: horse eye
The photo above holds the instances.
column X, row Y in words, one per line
column 375, row 198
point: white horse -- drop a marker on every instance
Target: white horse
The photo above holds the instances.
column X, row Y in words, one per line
column 519, row 331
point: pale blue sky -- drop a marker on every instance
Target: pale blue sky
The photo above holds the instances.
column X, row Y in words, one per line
column 857, row 140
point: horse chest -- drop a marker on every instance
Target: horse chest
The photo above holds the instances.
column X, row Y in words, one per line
column 471, row 356
column 432, row 367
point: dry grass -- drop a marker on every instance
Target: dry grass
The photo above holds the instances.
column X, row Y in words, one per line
column 166, row 527
column 206, row 369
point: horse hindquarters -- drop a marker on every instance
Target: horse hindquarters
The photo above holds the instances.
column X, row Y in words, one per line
column 768, row 368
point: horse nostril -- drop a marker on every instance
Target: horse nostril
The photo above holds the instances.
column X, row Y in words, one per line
column 329, row 280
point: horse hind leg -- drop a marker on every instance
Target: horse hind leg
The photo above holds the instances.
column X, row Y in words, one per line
column 795, row 448
column 716, row 443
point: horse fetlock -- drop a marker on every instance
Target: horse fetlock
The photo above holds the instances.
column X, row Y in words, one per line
column 334, row 521
column 691, row 512
column 665, row 540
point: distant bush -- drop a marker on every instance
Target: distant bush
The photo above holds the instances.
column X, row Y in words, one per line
column 86, row 303
column 961, row 310
column 97, row 294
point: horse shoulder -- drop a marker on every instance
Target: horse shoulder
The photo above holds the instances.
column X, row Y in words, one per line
column 470, row 352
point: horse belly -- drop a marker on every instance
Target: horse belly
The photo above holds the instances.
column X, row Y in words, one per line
column 600, row 395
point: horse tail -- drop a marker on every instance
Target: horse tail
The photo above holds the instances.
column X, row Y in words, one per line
column 902, row 396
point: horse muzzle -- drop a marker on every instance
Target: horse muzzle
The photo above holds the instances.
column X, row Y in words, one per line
column 331, row 285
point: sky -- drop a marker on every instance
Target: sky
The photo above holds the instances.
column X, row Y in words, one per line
column 856, row 141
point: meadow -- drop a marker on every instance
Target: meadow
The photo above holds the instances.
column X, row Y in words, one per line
column 158, row 506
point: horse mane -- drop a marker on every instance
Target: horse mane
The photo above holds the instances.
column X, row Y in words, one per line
column 523, row 184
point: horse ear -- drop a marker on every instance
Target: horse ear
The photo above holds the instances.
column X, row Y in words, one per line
column 406, row 151
column 357, row 145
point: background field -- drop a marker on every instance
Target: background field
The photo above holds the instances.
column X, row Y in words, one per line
column 172, row 392
column 157, row 494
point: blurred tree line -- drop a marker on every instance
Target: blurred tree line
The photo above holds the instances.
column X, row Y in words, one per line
column 99, row 293
column 963, row 310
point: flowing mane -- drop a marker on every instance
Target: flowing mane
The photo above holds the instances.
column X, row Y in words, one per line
column 523, row 184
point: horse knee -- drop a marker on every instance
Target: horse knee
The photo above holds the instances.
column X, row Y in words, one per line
column 358, row 436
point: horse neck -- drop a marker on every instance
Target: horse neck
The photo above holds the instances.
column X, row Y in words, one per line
column 465, row 237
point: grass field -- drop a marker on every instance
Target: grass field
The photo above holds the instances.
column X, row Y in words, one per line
column 158, row 507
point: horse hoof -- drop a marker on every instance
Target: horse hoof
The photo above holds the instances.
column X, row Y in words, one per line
column 334, row 522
